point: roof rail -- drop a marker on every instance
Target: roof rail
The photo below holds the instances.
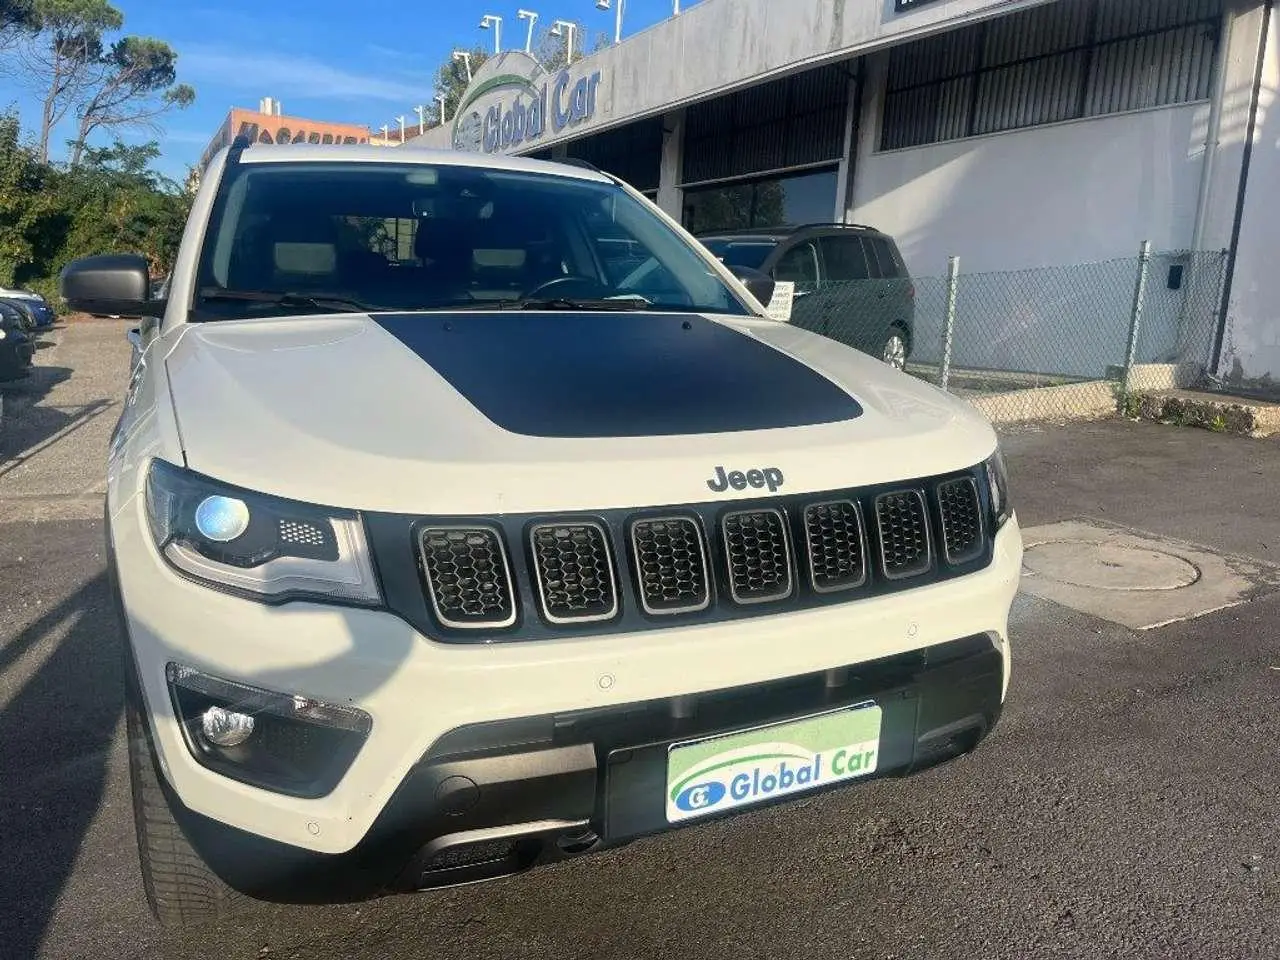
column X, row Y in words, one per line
column 847, row 226
column 783, row 229
column 579, row 162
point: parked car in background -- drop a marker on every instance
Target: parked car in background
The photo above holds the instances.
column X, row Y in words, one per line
column 852, row 284
column 16, row 346
column 32, row 304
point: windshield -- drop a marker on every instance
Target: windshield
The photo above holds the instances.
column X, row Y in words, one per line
column 741, row 253
column 376, row 236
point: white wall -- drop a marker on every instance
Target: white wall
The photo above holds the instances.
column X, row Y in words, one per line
column 1063, row 194
column 1251, row 343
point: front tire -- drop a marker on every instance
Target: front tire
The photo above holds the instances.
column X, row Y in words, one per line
column 180, row 887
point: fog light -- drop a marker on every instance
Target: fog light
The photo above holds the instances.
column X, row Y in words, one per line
column 289, row 743
column 226, row 728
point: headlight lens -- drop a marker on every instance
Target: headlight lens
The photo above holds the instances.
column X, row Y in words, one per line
column 264, row 546
column 998, row 484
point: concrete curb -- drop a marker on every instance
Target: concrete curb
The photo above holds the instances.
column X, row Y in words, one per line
column 1093, row 400
column 1209, row 411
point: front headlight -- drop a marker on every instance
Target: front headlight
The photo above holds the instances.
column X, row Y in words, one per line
column 998, row 484
column 264, row 546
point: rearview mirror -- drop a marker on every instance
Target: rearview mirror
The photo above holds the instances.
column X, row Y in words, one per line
column 759, row 285
column 117, row 284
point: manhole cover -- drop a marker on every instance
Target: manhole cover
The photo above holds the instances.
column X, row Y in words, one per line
column 1109, row 566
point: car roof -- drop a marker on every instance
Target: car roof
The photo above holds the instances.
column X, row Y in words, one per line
column 263, row 153
column 776, row 234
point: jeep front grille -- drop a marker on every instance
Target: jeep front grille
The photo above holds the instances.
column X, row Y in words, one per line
column 755, row 543
column 671, row 565
column 961, row 513
column 903, row 524
column 468, row 577
column 574, row 572
column 837, row 545
column 518, row 577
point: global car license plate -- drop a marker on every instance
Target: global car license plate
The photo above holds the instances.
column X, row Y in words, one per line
column 740, row 769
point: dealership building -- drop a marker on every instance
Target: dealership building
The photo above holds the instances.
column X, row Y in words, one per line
column 1015, row 134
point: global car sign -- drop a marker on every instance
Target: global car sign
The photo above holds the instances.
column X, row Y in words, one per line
column 513, row 101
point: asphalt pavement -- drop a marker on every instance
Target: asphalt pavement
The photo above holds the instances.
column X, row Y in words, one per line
column 1125, row 806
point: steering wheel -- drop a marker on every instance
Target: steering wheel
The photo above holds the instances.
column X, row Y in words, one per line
column 563, row 287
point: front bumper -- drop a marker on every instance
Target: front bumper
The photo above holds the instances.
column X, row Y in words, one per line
column 423, row 696
column 493, row 798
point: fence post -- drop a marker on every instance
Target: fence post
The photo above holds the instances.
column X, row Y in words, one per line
column 949, row 323
column 1135, row 318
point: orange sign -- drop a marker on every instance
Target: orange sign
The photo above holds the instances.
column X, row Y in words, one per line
column 270, row 128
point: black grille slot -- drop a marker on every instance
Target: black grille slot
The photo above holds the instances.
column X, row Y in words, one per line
column 468, row 577
column 574, row 572
column 755, row 543
column 837, row 545
column 904, row 534
column 671, row 564
column 961, row 520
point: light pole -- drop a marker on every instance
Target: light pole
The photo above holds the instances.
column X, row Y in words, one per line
column 400, row 120
column 422, row 119
column 386, row 134
column 619, row 10
column 675, row 8
column 440, row 100
column 491, row 20
column 532, row 18
column 465, row 57
column 566, row 29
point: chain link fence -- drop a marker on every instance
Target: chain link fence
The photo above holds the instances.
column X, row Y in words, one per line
column 1041, row 344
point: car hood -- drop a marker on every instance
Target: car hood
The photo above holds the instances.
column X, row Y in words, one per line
column 481, row 413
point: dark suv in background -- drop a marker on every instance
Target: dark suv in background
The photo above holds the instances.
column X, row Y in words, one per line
column 851, row 282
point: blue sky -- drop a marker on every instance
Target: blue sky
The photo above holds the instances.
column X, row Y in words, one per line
column 363, row 62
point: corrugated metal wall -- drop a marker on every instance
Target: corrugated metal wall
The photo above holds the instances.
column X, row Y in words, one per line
column 632, row 153
column 1068, row 60
column 791, row 122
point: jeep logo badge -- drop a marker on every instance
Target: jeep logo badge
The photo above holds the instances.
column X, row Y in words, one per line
column 770, row 477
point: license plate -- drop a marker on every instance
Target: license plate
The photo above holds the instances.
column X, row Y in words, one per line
column 740, row 769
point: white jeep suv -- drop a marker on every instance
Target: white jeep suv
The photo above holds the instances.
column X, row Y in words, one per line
column 466, row 514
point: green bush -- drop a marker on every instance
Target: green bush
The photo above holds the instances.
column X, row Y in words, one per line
column 111, row 202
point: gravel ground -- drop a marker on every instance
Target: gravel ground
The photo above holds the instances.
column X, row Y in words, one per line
column 1124, row 807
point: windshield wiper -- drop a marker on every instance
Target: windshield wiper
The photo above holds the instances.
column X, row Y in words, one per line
column 568, row 303
column 321, row 301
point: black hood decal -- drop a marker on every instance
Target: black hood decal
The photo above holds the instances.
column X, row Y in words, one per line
column 565, row 374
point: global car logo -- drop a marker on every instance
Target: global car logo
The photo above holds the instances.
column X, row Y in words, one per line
column 466, row 133
column 700, row 796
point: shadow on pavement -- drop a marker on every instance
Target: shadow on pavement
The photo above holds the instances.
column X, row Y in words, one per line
column 55, row 742
column 26, row 426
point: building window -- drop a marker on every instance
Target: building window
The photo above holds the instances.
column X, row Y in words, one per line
column 632, row 153
column 1063, row 61
column 793, row 122
column 777, row 202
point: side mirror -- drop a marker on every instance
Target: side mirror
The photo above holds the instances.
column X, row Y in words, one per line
column 759, row 285
column 117, row 284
